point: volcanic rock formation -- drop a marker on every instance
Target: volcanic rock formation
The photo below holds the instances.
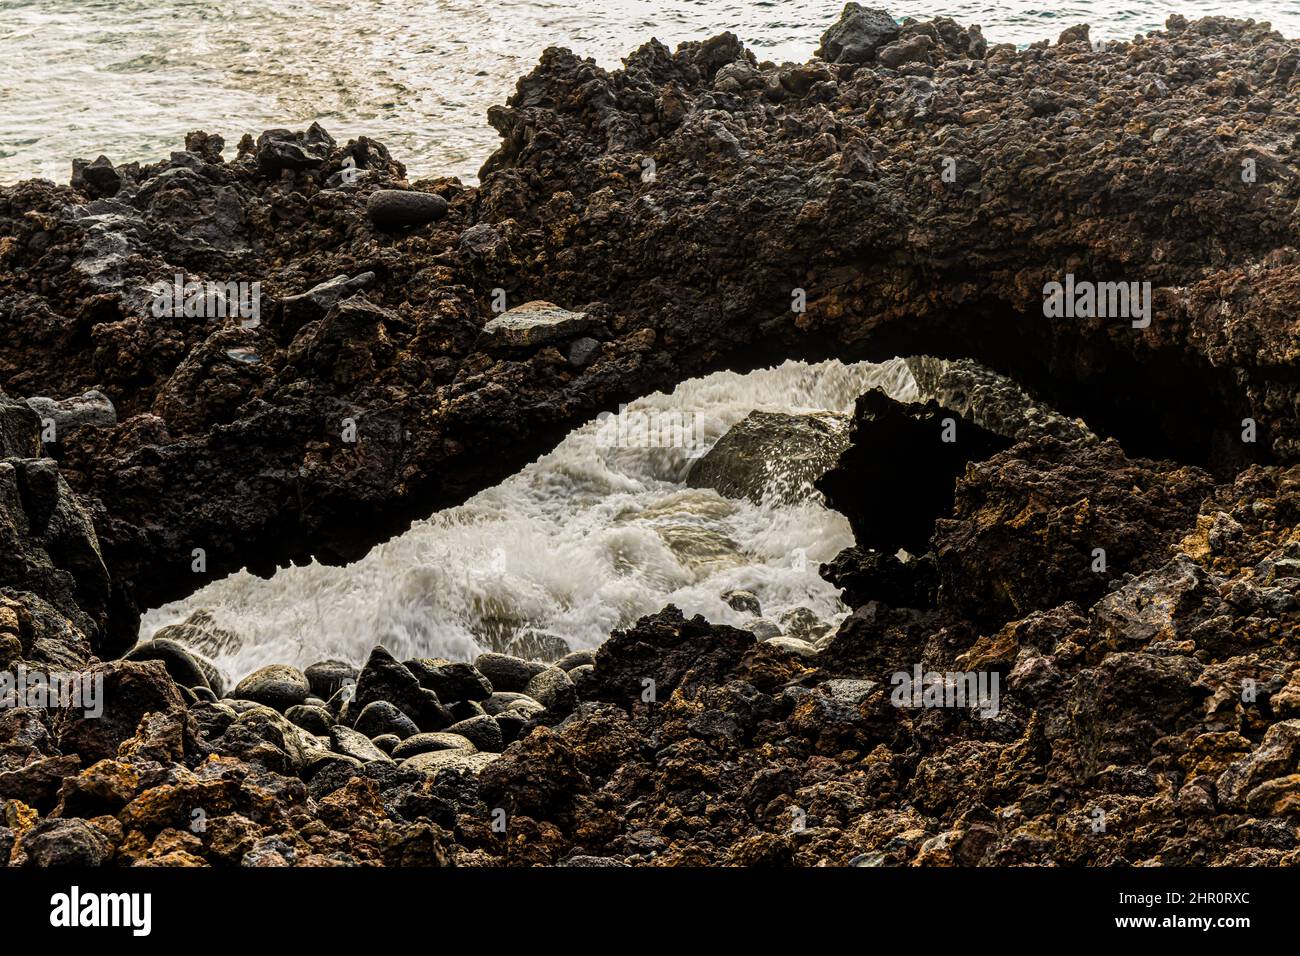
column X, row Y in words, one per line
column 1131, row 580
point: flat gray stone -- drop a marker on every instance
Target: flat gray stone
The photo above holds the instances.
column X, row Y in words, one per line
column 534, row 324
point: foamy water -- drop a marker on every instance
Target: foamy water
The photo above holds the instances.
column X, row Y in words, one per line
column 128, row 78
column 583, row 541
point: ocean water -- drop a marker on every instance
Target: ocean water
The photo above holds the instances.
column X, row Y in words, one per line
column 128, row 78
column 587, row 539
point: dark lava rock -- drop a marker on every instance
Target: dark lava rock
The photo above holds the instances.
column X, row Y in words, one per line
column 380, row 717
column 427, row 743
column 512, row 724
column 857, row 35
column 582, row 352
column 483, row 732
column 451, row 681
column 914, row 49
column 314, row 720
column 37, row 783
column 64, row 843
column 383, row 678
column 186, row 668
column 553, row 690
column 662, row 652
column 276, row 685
column 772, row 454
column 131, row 689
column 97, row 178
column 394, row 209
column 876, row 576
column 1027, row 525
column 327, row 677
column 282, row 149
column 902, row 453
column 506, row 673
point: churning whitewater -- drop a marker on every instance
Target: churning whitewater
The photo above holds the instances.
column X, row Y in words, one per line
column 585, row 540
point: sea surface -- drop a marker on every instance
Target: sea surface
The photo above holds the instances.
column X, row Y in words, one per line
column 128, row 78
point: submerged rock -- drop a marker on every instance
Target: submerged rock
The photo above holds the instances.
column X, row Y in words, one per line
column 768, row 454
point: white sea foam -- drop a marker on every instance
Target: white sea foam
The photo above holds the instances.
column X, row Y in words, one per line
column 583, row 541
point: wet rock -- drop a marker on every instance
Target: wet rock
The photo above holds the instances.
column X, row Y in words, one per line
column 992, row 401
column 553, row 690
column 746, row 602
column 380, row 717
column 187, row 669
column 385, row 679
column 314, row 720
column 451, row 680
column 501, row 701
column 355, row 745
column 793, row 645
column 326, row 678
column 506, row 673
column 277, row 685
column 576, row 659
column 395, row 209
column 803, row 624
column 483, row 732
column 427, row 743
column 771, row 454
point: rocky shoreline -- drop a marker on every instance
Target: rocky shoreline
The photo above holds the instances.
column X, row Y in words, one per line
column 1099, row 519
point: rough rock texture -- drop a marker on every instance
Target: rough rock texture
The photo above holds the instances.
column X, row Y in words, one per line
column 1149, row 693
column 330, row 423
